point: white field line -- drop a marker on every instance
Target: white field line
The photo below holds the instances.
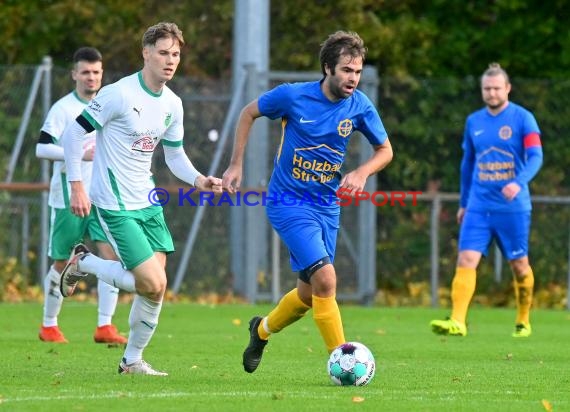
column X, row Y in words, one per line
column 119, row 395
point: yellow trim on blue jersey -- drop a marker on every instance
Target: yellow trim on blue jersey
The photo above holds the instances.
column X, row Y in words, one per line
column 318, row 147
column 283, row 124
column 496, row 149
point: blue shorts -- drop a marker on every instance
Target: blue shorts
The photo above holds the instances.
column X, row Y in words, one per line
column 309, row 235
column 510, row 231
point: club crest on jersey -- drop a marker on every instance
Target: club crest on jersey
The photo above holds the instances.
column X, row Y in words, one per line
column 168, row 119
column 505, row 132
column 344, row 127
column 145, row 144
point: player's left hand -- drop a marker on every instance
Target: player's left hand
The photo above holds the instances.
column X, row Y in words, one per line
column 208, row 184
column 353, row 183
column 511, row 190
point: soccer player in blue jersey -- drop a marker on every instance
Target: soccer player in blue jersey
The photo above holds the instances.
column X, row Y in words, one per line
column 318, row 118
column 502, row 153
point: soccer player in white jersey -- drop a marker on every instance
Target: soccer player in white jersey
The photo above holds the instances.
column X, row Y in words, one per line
column 131, row 117
column 66, row 229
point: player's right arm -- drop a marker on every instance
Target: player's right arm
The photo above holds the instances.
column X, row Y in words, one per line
column 46, row 149
column 73, row 151
column 231, row 179
column 47, row 146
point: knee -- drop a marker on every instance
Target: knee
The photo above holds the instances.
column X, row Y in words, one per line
column 324, row 283
column 152, row 289
column 468, row 260
column 520, row 269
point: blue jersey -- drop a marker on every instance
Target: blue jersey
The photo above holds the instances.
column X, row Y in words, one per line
column 314, row 139
column 499, row 149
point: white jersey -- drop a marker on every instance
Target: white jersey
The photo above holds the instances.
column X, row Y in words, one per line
column 63, row 112
column 130, row 120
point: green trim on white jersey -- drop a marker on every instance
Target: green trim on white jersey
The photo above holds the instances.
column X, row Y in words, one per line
column 78, row 97
column 172, row 144
column 91, row 120
column 144, row 86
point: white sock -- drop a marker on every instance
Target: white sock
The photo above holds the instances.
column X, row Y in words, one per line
column 52, row 298
column 109, row 271
column 143, row 320
column 107, row 297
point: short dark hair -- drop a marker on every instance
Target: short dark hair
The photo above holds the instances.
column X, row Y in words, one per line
column 341, row 43
column 88, row 54
column 160, row 31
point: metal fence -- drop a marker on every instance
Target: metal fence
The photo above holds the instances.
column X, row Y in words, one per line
column 413, row 244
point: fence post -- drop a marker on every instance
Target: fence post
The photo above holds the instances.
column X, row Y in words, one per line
column 45, row 170
column 434, row 250
column 366, row 263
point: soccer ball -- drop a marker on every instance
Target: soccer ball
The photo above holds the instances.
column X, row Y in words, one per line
column 351, row 364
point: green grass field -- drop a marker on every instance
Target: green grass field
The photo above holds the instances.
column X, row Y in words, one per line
column 201, row 347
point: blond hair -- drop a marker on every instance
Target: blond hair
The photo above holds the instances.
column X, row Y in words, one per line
column 495, row 69
column 160, row 31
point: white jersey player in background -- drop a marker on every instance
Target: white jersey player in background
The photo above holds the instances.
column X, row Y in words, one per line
column 131, row 117
column 66, row 229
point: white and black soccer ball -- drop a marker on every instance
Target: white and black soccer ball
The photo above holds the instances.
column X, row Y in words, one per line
column 351, row 364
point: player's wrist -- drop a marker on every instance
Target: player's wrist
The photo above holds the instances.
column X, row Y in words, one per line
column 199, row 181
column 76, row 185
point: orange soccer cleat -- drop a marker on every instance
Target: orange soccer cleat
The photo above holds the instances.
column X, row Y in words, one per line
column 52, row 334
column 108, row 334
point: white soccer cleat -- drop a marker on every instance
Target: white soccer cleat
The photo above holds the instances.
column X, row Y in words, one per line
column 71, row 274
column 139, row 367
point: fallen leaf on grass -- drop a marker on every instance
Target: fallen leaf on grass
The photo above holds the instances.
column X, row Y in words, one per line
column 547, row 405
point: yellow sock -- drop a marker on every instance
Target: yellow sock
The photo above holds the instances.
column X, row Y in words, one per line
column 523, row 296
column 327, row 317
column 289, row 309
column 462, row 290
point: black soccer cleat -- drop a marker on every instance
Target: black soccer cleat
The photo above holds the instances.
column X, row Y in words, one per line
column 254, row 351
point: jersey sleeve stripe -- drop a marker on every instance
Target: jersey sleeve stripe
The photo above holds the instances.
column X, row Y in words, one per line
column 532, row 140
column 171, row 143
column 91, row 120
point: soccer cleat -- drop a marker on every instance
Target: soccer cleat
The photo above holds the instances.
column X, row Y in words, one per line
column 522, row 330
column 139, row 367
column 108, row 334
column 70, row 274
column 448, row 327
column 52, row 334
column 254, row 351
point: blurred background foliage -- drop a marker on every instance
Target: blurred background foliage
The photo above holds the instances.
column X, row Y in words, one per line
column 531, row 38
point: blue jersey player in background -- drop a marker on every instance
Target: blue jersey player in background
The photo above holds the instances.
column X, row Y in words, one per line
column 318, row 119
column 502, row 153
